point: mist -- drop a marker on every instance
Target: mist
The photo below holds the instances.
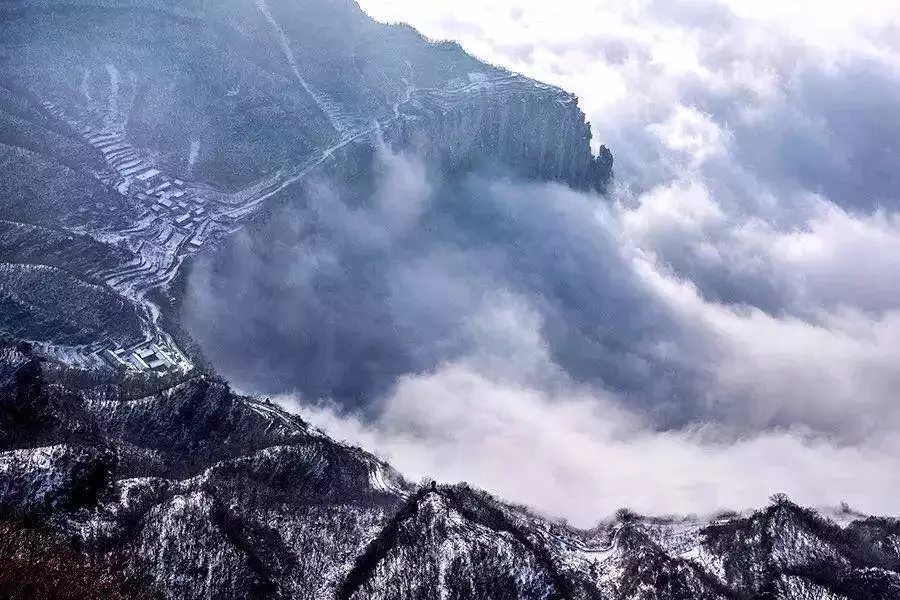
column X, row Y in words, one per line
column 723, row 325
column 352, row 286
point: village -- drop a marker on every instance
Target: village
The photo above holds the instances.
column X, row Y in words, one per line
column 167, row 197
column 175, row 222
column 158, row 355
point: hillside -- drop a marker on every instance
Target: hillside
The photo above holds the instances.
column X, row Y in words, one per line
column 194, row 491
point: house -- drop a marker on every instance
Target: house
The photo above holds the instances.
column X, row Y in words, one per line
column 148, row 174
column 116, row 359
column 159, row 188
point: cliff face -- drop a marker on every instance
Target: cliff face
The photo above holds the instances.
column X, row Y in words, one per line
column 183, row 490
column 510, row 123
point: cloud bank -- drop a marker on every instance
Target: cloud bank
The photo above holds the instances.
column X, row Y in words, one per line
column 725, row 326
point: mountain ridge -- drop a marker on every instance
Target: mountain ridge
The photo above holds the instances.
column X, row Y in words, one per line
column 157, row 476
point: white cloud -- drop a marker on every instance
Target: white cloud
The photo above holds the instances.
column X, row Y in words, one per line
column 581, row 455
column 836, row 377
column 725, row 326
column 755, row 208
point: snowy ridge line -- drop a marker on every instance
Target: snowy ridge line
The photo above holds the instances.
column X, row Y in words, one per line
column 338, row 514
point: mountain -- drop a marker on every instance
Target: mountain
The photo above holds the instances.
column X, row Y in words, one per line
column 133, row 135
column 136, row 135
column 183, row 489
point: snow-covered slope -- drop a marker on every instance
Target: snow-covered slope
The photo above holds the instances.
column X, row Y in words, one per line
column 197, row 492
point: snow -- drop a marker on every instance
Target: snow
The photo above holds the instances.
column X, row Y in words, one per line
column 384, row 479
column 330, row 110
column 35, row 470
column 798, row 588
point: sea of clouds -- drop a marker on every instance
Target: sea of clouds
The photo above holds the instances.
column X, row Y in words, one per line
column 723, row 326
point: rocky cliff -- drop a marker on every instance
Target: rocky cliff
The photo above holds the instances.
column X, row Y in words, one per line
column 514, row 124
